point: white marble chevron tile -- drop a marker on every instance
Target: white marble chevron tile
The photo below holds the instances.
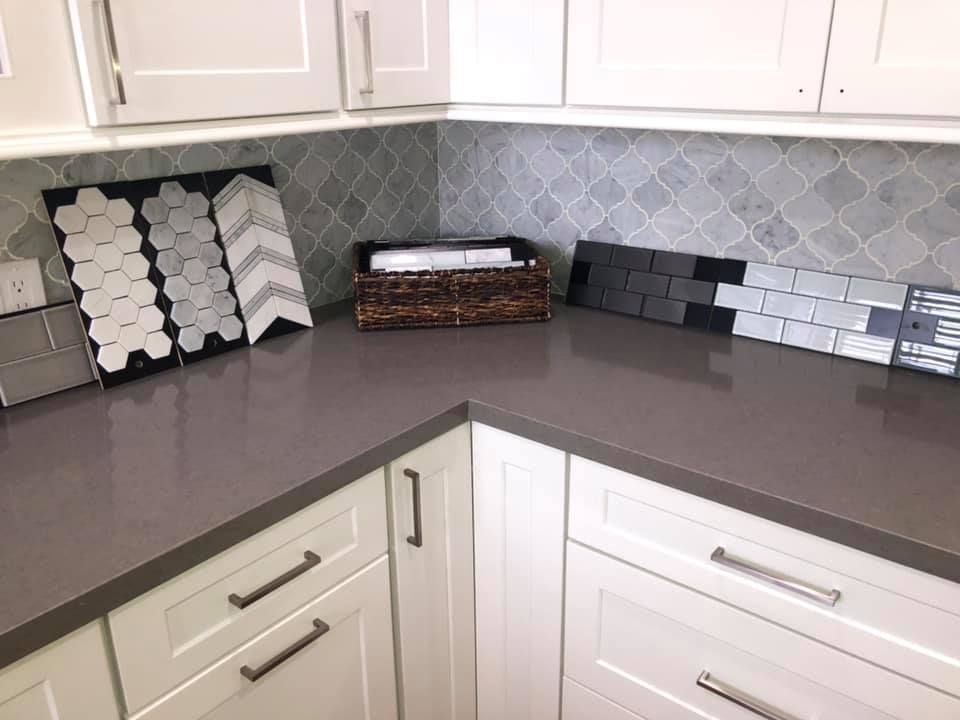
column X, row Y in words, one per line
column 260, row 255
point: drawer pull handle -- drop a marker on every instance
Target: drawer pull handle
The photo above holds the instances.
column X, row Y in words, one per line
column 363, row 17
column 113, row 56
column 731, row 694
column 785, row 582
column 310, row 559
column 417, row 538
column 254, row 674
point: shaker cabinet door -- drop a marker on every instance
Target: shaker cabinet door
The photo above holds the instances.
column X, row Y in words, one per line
column 761, row 55
column 506, row 51
column 395, row 52
column 431, row 544
column 519, row 488
column 178, row 60
column 894, row 57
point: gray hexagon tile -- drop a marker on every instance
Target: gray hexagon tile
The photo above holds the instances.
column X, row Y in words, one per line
column 889, row 210
column 190, row 262
column 102, row 251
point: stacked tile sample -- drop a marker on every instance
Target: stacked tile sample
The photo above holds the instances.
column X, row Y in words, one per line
column 260, row 254
column 42, row 352
column 870, row 320
column 930, row 333
column 123, row 242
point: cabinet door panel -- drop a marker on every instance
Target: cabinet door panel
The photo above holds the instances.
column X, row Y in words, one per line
column 39, row 87
column 506, row 51
column 897, row 57
column 519, row 489
column 68, row 680
column 189, row 60
column 433, row 583
column 764, row 55
column 395, row 52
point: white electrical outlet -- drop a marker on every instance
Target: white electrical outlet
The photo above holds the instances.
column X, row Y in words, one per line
column 21, row 286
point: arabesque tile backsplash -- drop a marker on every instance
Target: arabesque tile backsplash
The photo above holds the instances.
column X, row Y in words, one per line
column 872, row 209
column 336, row 187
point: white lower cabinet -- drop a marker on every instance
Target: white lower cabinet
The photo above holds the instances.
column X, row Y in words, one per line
column 579, row 703
column 331, row 659
column 519, row 489
column 663, row 651
column 68, row 680
column 431, row 544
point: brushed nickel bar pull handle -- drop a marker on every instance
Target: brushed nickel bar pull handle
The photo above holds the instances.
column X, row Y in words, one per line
column 254, row 674
column 785, row 582
column 310, row 559
column 363, row 17
column 113, row 55
column 731, row 694
column 417, row 538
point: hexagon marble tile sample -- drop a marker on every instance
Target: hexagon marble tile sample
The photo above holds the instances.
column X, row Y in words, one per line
column 190, row 260
column 101, row 243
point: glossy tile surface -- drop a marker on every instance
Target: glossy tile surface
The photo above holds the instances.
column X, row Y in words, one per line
column 233, row 444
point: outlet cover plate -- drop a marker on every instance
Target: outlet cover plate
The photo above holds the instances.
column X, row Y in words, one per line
column 21, row 286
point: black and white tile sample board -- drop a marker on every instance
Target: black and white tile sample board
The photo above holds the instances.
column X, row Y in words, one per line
column 149, row 270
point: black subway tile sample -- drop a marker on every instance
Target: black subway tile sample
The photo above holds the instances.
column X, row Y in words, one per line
column 593, row 252
column 695, row 291
column 632, row 258
column 608, row 277
column 580, row 272
column 730, row 272
column 622, row 302
column 884, row 322
column 671, row 263
column 584, row 295
column 671, row 311
column 648, row 284
column 722, row 319
column 697, row 316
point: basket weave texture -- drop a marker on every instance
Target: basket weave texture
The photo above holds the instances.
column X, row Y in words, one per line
column 446, row 298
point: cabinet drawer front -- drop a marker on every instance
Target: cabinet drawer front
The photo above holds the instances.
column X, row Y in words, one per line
column 346, row 671
column 679, row 537
column 181, row 627
column 582, row 704
column 68, row 680
column 644, row 642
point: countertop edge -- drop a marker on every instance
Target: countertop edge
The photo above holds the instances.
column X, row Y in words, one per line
column 43, row 629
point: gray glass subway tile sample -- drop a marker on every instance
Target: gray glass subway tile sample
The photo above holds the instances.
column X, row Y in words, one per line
column 632, row 258
column 852, row 317
column 608, row 277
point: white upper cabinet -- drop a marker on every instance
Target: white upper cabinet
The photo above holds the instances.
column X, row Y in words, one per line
column 175, row 60
column 506, row 51
column 431, row 542
column 759, row 55
column 39, row 85
column 395, row 52
column 896, row 57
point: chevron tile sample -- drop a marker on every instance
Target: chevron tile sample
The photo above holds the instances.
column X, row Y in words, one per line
column 197, row 290
column 259, row 251
column 113, row 278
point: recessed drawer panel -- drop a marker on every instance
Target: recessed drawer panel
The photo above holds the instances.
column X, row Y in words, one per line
column 663, row 651
column 886, row 613
column 181, row 627
column 332, row 659
column 582, row 704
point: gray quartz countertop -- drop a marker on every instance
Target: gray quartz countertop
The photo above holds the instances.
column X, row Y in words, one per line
column 106, row 495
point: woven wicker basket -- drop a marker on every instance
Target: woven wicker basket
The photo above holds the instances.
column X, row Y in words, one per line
column 444, row 298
